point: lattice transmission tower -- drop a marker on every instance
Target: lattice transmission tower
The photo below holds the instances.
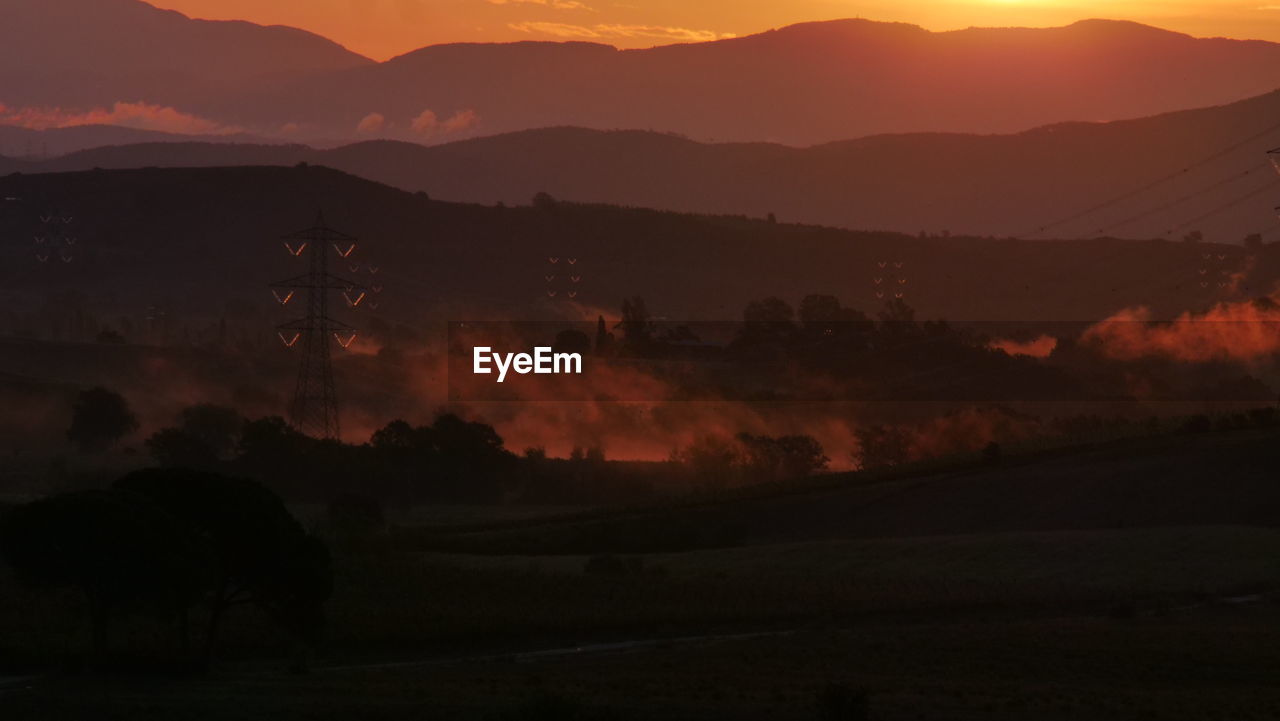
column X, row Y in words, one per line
column 314, row 409
column 1274, row 157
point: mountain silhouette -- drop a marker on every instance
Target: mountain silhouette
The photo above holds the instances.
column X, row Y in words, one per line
column 32, row 144
column 1023, row 184
column 94, row 53
column 803, row 84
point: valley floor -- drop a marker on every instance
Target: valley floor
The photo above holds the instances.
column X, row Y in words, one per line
column 1116, row 621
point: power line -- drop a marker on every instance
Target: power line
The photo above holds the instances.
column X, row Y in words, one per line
column 1153, row 184
column 1179, row 200
column 1225, row 206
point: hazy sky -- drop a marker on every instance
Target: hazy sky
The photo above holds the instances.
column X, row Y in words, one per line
column 384, row 28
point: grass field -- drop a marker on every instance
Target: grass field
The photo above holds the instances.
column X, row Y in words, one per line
column 1156, row 623
column 1076, row 617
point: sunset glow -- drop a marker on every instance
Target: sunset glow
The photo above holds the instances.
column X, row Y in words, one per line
column 384, row 28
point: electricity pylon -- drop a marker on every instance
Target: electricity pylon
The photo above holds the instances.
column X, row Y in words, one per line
column 314, row 410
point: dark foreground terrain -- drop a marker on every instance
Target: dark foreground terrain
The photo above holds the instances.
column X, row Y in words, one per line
column 1136, row 579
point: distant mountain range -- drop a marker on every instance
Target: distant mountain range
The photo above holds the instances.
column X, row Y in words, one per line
column 803, row 84
column 81, row 54
column 1202, row 170
column 39, row 145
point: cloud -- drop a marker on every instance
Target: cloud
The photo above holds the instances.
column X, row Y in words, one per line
column 606, row 31
column 462, row 120
column 141, row 116
column 371, row 123
column 554, row 4
column 428, row 123
column 1246, row 331
column 661, row 32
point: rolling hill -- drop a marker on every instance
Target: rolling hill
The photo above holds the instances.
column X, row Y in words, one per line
column 193, row 240
column 1195, row 170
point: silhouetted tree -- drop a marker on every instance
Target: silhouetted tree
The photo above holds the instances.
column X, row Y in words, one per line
column 822, row 317
column 175, row 447
column 264, row 556
column 122, row 551
column 451, row 459
column 217, row 427
column 802, row 456
column 604, row 339
column 544, row 201
column 770, row 320
column 100, row 418
column 572, row 341
column 880, row 446
column 205, row 436
column 819, row 310
column 897, row 319
column 785, row 458
column 270, row 447
column 897, row 311
column 711, row 459
column 397, row 435
column 636, row 324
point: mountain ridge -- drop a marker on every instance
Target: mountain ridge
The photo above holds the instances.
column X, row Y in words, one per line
column 802, row 84
column 931, row 182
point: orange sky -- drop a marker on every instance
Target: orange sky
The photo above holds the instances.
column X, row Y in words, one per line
column 384, row 28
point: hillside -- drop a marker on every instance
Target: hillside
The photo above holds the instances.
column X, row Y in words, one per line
column 966, row 184
column 74, row 55
column 31, row 145
column 195, row 239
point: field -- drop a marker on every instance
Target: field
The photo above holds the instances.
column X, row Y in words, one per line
column 997, row 592
column 760, row 634
column 1163, row 623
